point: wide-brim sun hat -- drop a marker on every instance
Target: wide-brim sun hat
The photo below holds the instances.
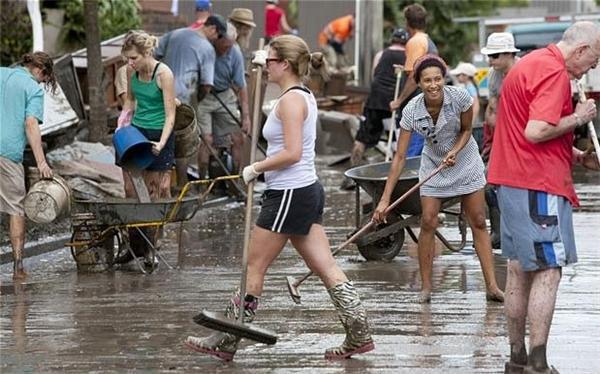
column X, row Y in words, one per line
column 464, row 68
column 243, row 16
column 500, row 42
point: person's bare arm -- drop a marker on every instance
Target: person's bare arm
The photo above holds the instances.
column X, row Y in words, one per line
column 284, row 24
column 34, row 137
column 395, row 171
column 490, row 112
column 243, row 98
column 538, row 131
column 167, row 83
column 409, row 87
column 203, row 90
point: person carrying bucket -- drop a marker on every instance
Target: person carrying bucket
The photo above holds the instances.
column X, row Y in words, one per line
column 149, row 108
column 22, row 108
column 292, row 209
column 447, row 133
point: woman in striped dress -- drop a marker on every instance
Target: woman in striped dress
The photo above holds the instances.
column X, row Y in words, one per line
column 443, row 115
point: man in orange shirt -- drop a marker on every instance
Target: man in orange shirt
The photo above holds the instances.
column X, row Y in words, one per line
column 418, row 45
column 332, row 39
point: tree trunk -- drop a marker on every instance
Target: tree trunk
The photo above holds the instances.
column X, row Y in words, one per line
column 98, row 114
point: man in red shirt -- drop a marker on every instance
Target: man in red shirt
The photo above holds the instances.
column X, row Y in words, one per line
column 203, row 11
column 531, row 162
column 275, row 21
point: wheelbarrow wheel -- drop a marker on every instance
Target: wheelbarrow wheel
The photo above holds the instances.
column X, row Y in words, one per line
column 92, row 254
column 384, row 249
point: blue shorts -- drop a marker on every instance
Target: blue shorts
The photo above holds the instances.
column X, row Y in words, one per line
column 536, row 228
column 166, row 158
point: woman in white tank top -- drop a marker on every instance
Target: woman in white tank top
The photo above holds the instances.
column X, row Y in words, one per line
column 293, row 203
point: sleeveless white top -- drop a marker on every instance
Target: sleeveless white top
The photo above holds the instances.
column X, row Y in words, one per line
column 302, row 173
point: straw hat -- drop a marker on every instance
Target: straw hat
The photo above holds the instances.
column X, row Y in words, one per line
column 464, row 68
column 500, row 42
column 243, row 16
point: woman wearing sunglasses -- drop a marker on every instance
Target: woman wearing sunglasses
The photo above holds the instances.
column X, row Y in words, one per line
column 292, row 208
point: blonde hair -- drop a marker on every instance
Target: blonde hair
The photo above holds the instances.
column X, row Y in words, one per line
column 295, row 51
column 139, row 40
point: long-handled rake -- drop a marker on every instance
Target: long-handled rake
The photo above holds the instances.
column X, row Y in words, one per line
column 293, row 284
column 218, row 321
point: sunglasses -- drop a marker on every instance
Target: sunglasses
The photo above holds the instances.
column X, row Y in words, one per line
column 494, row 56
column 272, row 60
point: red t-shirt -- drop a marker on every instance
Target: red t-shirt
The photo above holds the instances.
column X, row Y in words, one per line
column 272, row 21
column 536, row 88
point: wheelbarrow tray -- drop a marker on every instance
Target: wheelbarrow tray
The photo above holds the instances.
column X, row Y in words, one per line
column 128, row 211
column 372, row 178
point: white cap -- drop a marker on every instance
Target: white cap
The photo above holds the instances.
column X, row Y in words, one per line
column 500, row 42
column 464, row 68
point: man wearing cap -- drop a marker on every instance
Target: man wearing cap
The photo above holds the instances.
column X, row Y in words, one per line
column 216, row 112
column 191, row 56
column 203, row 9
column 534, row 135
column 377, row 104
column 501, row 52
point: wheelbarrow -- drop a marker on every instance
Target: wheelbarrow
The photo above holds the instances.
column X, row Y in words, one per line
column 385, row 241
column 96, row 225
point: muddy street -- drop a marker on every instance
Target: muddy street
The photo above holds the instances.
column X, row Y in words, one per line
column 122, row 321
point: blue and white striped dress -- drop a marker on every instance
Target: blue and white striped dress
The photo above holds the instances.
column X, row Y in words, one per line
column 467, row 175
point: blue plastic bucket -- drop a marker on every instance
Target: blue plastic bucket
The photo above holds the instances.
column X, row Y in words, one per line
column 132, row 148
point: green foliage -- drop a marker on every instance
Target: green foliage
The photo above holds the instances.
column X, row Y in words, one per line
column 14, row 24
column 115, row 17
column 455, row 41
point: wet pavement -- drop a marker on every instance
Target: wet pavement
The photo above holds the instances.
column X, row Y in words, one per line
column 122, row 321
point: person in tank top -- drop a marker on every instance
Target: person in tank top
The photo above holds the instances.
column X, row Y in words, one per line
column 150, row 107
column 292, row 207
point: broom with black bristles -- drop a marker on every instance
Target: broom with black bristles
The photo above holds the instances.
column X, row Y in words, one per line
column 218, row 321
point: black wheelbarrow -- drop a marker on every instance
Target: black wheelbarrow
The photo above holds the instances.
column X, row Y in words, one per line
column 385, row 241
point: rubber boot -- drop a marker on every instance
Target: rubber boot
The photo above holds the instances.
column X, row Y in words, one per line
column 220, row 344
column 354, row 319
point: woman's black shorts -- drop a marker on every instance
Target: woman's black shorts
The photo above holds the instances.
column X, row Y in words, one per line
column 166, row 158
column 292, row 211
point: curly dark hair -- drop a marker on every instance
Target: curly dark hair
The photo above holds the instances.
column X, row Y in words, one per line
column 428, row 61
column 42, row 61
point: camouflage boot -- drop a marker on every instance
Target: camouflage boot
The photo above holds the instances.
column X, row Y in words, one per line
column 221, row 344
column 354, row 319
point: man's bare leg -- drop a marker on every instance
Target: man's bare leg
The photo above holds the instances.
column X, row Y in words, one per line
column 17, row 239
column 516, row 296
column 237, row 151
column 203, row 155
column 542, row 300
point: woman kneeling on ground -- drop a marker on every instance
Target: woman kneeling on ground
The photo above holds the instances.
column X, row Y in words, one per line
column 443, row 115
column 292, row 208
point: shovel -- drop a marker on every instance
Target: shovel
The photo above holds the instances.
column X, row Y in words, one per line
column 398, row 69
column 293, row 284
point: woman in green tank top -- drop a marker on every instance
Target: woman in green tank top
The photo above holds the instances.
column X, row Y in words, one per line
column 150, row 107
